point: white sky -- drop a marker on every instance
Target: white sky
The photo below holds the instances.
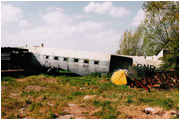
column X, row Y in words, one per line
column 88, row 26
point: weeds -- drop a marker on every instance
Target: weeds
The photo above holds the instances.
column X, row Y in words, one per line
column 25, row 94
column 67, row 90
column 50, row 115
column 97, row 74
column 107, row 111
column 7, row 79
column 97, row 103
column 129, row 99
column 168, row 103
column 12, row 116
column 31, row 107
column 34, row 105
column 62, row 113
column 3, row 113
column 78, row 94
column 145, row 100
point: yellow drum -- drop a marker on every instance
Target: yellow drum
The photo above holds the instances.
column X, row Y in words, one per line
column 119, row 78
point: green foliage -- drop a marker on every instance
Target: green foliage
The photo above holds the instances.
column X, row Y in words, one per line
column 28, row 102
column 64, row 71
column 3, row 113
column 160, row 30
column 129, row 99
column 78, row 94
column 31, row 107
column 162, row 23
column 131, row 43
column 135, row 73
column 62, row 113
column 18, row 116
column 34, row 105
column 97, row 103
column 170, row 61
column 109, row 98
column 74, row 94
column 175, row 117
column 50, row 115
column 105, row 86
column 7, row 79
column 25, row 94
column 12, row 116
column 168, row 103
column 97, row 74
column 145, row 100
column 107, row 111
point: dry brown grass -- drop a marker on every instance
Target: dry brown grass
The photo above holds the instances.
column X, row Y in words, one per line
column 46, row 96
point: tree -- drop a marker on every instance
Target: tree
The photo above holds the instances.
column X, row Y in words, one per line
column 160, row 30
column 162, row 23
column 132, row 43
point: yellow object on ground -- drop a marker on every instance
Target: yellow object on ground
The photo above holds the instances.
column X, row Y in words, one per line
column 119, row 78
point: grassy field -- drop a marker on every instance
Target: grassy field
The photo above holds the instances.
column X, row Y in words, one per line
column 93, row 97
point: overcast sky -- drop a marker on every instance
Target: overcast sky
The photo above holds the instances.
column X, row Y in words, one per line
column 88, row 26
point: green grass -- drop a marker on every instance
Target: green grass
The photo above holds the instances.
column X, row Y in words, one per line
column 168, row 103
column 64, row 71
column 107, row 112
column 7, row 79
column 32, row 106
column 55, row 97
column 50, row 115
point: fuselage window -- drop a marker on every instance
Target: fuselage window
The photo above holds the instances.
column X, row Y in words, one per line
column 75, row 60
column 86, row 61
column 55, row 58
column 47, row 57
column 96, row 62
column 65, row 59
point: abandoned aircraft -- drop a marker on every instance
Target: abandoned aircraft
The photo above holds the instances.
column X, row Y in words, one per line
column 79, row 62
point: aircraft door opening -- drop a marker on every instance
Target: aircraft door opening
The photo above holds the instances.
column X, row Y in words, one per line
column 119, row 62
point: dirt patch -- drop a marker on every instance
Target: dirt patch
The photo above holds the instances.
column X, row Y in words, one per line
column 21, row 80
column 139, row 113
column 41, row 79
column 3, row 88
column 48, row 80
column 40, row 98
column 78, row 112
column 34, row 88
column 12, row 95
column 89, row 97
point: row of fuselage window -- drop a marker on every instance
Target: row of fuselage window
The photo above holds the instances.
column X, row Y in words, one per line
column 75, row 60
